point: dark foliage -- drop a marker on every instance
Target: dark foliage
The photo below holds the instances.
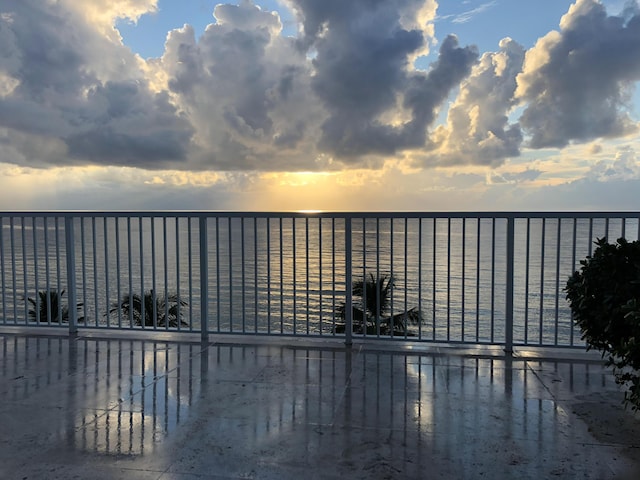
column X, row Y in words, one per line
column 156, row 309
column 604, row 295
column 49, row 307
column 372, row 301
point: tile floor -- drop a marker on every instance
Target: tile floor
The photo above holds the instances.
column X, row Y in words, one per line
column 106, row 406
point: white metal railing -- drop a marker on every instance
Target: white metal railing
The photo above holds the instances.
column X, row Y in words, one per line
column 481, row 278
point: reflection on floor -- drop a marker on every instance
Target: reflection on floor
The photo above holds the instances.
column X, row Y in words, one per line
column 97, row 407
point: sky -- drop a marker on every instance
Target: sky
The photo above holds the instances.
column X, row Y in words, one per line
column 365, row 105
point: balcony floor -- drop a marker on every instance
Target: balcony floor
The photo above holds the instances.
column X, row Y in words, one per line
column 107, row 406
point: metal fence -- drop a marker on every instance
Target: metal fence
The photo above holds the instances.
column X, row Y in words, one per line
column 476, row 278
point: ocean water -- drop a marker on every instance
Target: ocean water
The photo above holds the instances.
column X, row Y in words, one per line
column 288, row 275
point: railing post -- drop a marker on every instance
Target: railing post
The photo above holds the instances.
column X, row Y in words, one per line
column 348, row 329
column 204, row 279
column 71, row 273
column 508, row 330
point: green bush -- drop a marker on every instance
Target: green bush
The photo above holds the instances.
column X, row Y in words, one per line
column 604, row 296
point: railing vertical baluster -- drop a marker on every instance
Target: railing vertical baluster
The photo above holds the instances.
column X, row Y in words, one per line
column 83, row 252
column 391, row 326
column 165, row 266
column 268, row 274
column 190, row 269
column 243, row 274
column 255, row 274
column 542, row 259
column 557, row 292
column 231, row 289
column 508, row 344
column 105, row 237
column 306, row 241
column 478, row 246
column 35, row 264
column 406, row 279
column 378, row 307
column 142, row 306
column 333, row 272
column 320, row 272
column 178, row 295
column 573, row 267
column 295, row 289
column 281, row 281
column 463, row 263
column 2, row 273
column 230, row 247
column 95, row 266
column 71, row 274
column 435, row 268
column 204, row 278
column 448, row 279
column 24, row 273
column 118, row 282
column 420, row 276
column 526, row 282
column 13, row 267
column 493, row 278
column 154, row 292
column 129, row 261
column 218, row 300
column 348, row 281
column 364, row 274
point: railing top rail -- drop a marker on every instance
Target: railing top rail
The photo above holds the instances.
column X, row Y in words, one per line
column 322, row 214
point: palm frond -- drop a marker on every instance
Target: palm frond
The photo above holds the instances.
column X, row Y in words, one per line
column 157, row 311
column 48, row 307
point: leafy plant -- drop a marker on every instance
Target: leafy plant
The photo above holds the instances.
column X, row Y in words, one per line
column 604, row 295
column 48, row 306
column 372, row 302
column 157, row 310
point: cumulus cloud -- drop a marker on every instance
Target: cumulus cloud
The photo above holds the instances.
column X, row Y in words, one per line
column 478, row 130
column 74, row 86
column 246, row 90
column 576, row 82
column 362, row 74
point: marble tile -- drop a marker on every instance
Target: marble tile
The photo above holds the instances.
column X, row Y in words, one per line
column 101, row 407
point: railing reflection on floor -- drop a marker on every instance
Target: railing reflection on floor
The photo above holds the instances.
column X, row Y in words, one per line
column 123, row 397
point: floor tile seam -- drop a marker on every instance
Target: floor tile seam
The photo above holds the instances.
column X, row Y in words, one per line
column 354, row 350
column 541, row 381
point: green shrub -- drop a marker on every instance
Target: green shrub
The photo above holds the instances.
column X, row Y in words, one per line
column 604, row 296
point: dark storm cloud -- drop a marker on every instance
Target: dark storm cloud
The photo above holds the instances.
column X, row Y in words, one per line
column 576, row 83
column 361, row 73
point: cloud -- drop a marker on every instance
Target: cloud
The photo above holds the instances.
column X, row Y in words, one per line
column 245, row 89
column 624, row 166
column 376, row 103
column 344, row 93
column 72, row 85
column 477, row 129
column 576, row 83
